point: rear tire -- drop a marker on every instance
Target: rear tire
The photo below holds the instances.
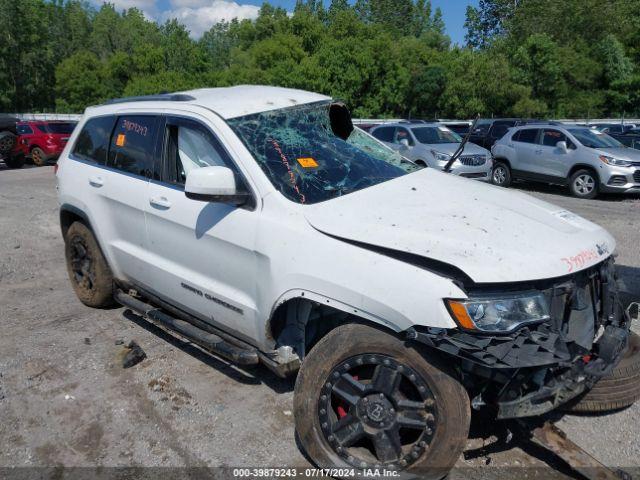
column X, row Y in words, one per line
column 501, row 175
column 14, row 161
column 417, row 390
column 7, row 142
column 88, row 270
column 618, row 390
column 584, row 184
column 422, row 163
column 38, row 157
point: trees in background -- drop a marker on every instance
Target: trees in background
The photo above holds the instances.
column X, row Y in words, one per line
column 575, row 58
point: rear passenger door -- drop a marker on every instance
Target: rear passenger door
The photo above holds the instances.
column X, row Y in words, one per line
column 203, row 254
column 117, row 156
column 525, row 143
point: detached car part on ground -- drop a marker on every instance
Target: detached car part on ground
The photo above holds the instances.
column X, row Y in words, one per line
column 273, row 232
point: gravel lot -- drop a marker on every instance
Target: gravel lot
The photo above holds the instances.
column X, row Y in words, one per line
column 65, row 400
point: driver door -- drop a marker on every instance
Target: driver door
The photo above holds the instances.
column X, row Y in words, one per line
column 203, row 254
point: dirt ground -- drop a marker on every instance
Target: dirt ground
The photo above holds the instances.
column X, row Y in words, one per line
column 65, row 400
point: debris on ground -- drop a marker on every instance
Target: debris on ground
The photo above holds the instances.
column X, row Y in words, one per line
column 133, row 355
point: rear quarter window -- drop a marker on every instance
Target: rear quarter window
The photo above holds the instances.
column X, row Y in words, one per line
column 93, row 141
column 24, row 130
column 529, row 135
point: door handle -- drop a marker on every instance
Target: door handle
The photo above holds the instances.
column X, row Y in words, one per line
column 538, row 152
column 160, row 202
column 96, row 182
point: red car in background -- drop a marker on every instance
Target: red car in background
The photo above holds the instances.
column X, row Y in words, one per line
column 41, row 140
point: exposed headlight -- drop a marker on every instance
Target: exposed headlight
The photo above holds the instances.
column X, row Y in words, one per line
column 500, row 314
column 441, row 157
column 614, row 161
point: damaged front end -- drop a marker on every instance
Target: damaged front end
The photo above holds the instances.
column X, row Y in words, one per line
column 538, row 367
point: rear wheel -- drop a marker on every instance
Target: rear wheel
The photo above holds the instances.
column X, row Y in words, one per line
column 618, row 390
column 584, row 184
column 38, row 156
column 365, row 399
column 422, row 163
column 7, row 142
column 501, row 175
column 88, row 270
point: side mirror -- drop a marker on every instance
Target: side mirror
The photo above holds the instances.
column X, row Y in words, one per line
column 214, row 184
column 562, row 146
column 404, row 143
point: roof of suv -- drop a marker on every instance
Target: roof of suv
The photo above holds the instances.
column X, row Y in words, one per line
column 232, row 102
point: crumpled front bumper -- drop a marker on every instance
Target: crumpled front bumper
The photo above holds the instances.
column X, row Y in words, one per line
column 538, row 368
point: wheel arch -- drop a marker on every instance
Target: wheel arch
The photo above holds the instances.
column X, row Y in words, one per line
column 584, row 166
column 304, row 316
column 69, row 214
column 504, row 160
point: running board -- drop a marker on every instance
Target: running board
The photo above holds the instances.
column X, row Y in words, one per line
column 207, row 340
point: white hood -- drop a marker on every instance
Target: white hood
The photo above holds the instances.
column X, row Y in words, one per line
column 490, row 233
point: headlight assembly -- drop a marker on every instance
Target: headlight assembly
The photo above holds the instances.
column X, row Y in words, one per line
column 614, row 161
column 499, row 314
column 441, row 157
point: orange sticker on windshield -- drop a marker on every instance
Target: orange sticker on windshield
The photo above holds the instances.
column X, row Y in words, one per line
column 120, row 140
column 308, row 162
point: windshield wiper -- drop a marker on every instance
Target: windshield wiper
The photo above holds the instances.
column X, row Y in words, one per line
column 458, row 152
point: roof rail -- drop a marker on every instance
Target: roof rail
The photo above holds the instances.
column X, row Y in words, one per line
column 163, row 97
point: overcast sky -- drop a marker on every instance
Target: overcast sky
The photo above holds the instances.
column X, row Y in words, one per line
column 199, row 15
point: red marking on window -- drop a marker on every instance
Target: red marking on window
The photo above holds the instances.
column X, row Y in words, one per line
column 285, row 161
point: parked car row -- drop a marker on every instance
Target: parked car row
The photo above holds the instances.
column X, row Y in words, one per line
column 39, row 140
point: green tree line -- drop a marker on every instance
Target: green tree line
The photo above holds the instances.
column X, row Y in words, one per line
column 530, row 58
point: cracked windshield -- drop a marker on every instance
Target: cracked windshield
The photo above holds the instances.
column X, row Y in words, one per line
column 307, row 162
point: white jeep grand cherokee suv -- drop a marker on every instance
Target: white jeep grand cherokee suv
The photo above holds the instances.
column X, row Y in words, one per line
column 258, row 223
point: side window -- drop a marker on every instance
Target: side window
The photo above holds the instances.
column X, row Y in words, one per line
column 384, row 134
column 133, row 144
column 92, row 143
column 481, row 128
column 24, row 130
column 529, row 135
column 190, row 145
column 516, row 136
column 551, row 137
column 402, row 134
column 499, row 130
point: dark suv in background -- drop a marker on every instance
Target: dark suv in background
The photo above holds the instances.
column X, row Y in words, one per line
column 8, row 138
column 489, row 130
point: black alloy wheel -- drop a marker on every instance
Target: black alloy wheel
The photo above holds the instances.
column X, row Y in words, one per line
column 375, row 411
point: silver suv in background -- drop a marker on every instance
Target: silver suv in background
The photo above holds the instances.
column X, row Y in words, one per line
column 432, row 145
column 584, row 159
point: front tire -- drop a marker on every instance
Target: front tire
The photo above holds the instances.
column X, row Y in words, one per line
column 88, row 270
column 584, row 184
column 501, row 175
column 366, row 399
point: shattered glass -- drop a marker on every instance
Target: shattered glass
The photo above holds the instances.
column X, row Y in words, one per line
column 307, row 162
